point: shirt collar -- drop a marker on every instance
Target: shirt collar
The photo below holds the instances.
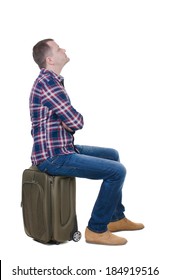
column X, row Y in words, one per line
column 58, row 77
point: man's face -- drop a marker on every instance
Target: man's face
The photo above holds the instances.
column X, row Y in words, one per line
column 58, row 55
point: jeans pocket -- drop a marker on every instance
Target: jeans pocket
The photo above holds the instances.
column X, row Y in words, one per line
column 53, row 165
column 42, row 166
column 58, row 161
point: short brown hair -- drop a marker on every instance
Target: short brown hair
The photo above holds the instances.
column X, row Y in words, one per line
column 40, row 51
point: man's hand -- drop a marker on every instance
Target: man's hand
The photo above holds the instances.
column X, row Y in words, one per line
column 66, row 127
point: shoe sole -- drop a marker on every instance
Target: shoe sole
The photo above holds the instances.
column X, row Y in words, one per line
column 95, row 243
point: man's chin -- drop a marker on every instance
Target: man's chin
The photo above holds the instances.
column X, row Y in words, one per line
column 67, row 60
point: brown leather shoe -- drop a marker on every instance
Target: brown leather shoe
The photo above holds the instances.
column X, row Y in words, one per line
column 124, row 224
column 105, row 238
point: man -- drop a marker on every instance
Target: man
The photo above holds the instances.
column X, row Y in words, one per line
column 54, row 122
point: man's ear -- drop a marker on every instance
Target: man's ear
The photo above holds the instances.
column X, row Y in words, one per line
column 49, row 60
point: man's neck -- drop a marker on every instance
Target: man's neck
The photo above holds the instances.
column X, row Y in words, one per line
column 57, row 70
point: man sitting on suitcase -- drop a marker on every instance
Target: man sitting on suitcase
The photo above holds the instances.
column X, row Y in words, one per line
column 54, row 122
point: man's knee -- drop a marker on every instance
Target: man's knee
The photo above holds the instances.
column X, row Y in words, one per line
column 121, row 171
column 124, row 170
column 116, row 155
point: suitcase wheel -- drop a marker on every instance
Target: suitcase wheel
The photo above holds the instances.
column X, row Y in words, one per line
column 76, row 236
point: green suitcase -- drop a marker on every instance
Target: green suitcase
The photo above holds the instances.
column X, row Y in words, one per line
column 49, row 207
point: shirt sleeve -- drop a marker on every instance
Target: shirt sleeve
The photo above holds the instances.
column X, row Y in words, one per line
column 56, row 99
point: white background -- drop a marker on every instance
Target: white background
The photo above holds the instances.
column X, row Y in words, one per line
column 117, row 78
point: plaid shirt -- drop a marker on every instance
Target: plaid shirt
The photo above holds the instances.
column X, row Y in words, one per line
column 49, row 107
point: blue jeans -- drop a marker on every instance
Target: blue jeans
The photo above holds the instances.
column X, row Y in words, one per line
column 99, row 164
